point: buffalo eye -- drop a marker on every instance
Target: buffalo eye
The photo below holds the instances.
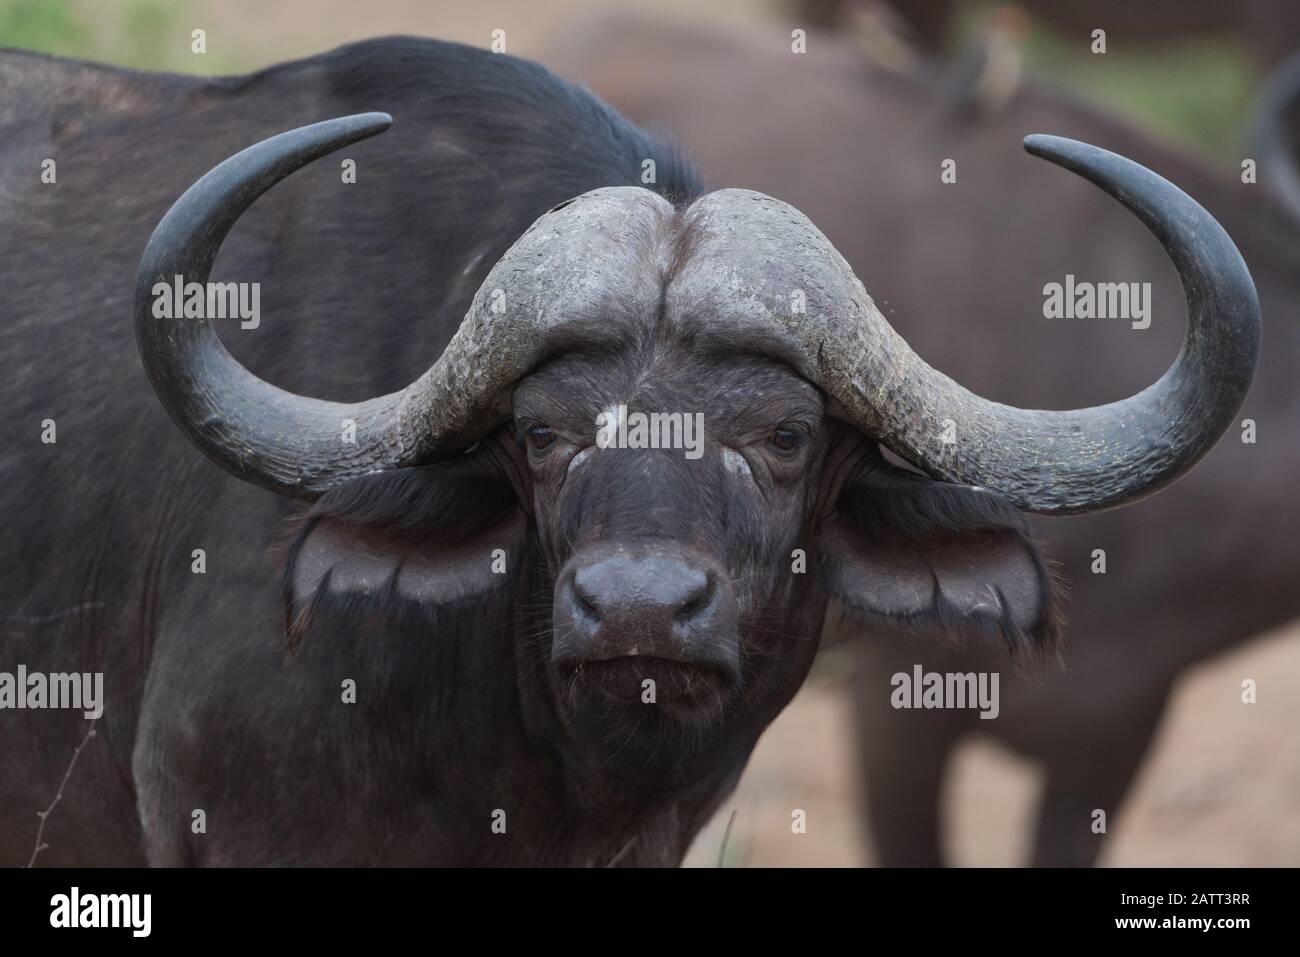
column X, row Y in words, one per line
column 786, row 439
column 540, row 437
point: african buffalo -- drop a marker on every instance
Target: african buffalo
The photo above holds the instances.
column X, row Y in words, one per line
column 507, row 641
column 960, row 269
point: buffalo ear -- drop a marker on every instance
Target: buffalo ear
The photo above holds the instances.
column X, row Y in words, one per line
column 424, row 538
column 903, row 551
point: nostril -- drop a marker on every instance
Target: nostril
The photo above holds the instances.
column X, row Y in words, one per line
column 584, row 602
column 585, row 606
column 689, row 610
column 696, row 601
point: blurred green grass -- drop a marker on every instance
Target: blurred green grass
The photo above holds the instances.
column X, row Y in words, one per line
column 141, row 34
column 1198, row 93
column 47, row 25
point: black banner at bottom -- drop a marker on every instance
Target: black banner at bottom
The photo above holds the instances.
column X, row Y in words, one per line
column 337, row 906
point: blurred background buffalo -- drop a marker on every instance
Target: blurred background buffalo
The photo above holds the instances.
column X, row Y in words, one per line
column 1145, row 720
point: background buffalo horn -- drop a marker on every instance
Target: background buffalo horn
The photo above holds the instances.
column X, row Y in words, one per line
column 1272, row 131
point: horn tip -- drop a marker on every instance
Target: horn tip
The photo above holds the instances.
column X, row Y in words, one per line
column 375, row 121
column 1078, row 157
column 1047, row 146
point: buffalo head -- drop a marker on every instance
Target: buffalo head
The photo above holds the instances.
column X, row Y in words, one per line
column 693, row 578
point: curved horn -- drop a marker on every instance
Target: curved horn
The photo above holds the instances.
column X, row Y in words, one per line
column 1100, row 457
column 259, row 432
column 292, row 444
column 758, row 250
column 1279, row 106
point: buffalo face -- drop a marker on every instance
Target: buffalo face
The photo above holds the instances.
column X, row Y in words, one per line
column 669, row 599
column 674, row 598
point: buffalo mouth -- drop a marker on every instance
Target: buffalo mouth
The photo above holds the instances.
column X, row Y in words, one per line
column 656, row 685
column 645, row 738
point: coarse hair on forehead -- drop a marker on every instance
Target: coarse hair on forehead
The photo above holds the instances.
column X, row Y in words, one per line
column 626, row 311
column 667, row 237
column 681, row 243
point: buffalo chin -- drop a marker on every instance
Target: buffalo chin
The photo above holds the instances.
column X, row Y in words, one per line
column 646, row 715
